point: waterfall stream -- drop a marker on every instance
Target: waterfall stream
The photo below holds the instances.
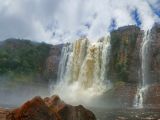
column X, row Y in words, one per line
column 143, row 85
column 83, row 70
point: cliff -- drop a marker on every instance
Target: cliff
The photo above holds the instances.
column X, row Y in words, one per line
column 155, row 54
column 124, row 59
column 125, row 66
column 40, row 60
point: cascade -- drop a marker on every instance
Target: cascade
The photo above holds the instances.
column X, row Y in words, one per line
column 83, row 70
column 143, row 85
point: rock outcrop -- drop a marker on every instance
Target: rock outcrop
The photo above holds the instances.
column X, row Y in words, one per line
column 52, row 108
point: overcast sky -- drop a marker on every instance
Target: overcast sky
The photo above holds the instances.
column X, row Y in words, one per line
column 57, row 21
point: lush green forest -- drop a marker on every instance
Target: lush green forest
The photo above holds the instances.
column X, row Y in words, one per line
column 22, row 59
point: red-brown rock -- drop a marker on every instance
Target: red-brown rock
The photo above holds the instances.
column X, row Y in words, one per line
column 34, row 109
column 68, row 112
column 52, row 108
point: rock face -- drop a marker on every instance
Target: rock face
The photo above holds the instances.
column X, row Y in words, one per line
column 125, row 66
column 124, row 59
column 152, row 98
column 49, row 109
column 52, row 61
column 121, row 96
column 155, row 54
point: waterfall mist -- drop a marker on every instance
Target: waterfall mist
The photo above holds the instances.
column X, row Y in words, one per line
column 14, row 94
column 82, row 74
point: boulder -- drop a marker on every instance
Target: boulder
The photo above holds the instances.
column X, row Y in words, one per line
column 68, row 112
column 35, row 109
column 49, row 108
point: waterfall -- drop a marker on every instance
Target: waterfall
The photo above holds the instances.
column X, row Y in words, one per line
column 143, row 85
column 83, row 70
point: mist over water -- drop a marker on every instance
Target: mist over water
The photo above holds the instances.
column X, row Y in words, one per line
column 14, row 94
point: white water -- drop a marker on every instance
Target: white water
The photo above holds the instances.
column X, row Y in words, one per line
column 143, row 85
column 83, row 70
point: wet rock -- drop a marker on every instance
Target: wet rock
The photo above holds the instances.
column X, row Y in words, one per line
column 35, row 109
column 68, row 112
column 52, row 108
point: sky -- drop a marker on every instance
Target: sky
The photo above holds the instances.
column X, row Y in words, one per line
column 59, row 21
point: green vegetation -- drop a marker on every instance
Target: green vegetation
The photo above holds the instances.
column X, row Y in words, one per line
column 22, row 59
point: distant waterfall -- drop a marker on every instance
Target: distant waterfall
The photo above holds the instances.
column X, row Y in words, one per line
column 143, row 85
column 83, row 69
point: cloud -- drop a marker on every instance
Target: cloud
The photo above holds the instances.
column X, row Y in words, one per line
column 27, row 19
column 57, row 21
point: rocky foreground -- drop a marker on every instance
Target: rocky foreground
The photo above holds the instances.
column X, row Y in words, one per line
column 127, row 114
column 52, row 108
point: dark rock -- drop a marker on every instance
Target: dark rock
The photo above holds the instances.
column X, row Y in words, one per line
column 68, row 112
column 155, row 54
